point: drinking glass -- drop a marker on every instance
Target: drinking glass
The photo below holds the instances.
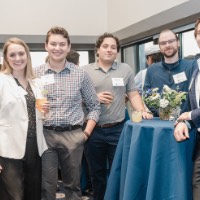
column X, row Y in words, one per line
column 39, row 104
column 107, row 106
column 136, row 116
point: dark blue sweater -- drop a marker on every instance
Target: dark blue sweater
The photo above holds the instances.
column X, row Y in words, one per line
column 161, row 73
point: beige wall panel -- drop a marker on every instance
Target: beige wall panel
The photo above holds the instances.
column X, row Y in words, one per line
column 35, row 17
column 127, row 12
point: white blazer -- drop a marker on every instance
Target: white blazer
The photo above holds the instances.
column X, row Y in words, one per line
column 14, row 118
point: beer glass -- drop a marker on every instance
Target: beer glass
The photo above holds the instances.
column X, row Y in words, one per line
column 40, row 101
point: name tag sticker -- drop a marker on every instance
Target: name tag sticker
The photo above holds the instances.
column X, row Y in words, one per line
column 117, row 81
column 179, row 78
column 48, row 79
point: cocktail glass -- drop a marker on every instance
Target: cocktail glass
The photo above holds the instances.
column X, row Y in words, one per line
column 40, row 101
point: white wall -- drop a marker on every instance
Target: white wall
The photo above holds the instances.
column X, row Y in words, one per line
column 127, row 12
column 131, row 17
column 91, row 18
column 35, row 17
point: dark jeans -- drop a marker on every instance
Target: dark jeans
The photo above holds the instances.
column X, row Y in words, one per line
column 21, row 178
column 100, row 150
column 196, row 170
column 86, row 185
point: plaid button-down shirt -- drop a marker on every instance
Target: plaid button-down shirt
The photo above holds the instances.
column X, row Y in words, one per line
column 71, row 87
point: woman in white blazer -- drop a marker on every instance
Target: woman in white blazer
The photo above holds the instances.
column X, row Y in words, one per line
column 21, row 132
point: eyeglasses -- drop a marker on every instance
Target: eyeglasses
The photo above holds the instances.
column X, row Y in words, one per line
column 164, row 43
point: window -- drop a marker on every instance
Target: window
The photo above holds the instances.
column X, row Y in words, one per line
column 189, row 45
column 84, row 58
column 38, row 58
column 130, row 58
column 142, row 56
column 134, row 54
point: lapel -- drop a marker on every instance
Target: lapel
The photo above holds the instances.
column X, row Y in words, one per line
column 16, row 90
column 192, row 89
column 13, row 85
column 33, row 87
column 36, row 86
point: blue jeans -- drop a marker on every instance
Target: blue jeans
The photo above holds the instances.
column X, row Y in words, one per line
column 100, row 150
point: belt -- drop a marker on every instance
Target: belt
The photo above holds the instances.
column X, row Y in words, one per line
column 109, row 125
column 62, row 128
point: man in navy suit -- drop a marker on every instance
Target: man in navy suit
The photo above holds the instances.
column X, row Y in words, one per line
column 181, row 130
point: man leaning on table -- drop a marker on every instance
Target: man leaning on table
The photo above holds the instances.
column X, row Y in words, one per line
column 181, row 129
column 172, row 70
column 112, row 81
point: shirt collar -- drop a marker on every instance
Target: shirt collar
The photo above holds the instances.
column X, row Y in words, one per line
column 170, row 66
column 68, row 66
column 114, row 65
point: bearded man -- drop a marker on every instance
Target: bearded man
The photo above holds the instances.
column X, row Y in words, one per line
column 172, row 70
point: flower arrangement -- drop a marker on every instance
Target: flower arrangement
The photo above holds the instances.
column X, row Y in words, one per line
column 167, row 102
column 151, row 98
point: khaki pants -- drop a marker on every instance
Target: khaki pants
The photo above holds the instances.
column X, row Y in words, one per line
column 66, row 149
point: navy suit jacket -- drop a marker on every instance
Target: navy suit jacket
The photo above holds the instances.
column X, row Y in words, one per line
column 193, row 103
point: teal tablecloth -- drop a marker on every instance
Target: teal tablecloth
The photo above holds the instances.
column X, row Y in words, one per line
column 150, row 165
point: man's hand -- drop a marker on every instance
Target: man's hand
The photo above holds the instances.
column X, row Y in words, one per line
column 147, row 115
column 105, row 97
column 46, row 107
column 181, row 132
column 0, row 168
column 184, row 116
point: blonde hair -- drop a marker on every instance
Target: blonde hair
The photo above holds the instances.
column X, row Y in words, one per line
column 6, row 68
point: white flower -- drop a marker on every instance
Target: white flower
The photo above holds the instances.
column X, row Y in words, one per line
column 155, row 90
column 154, row 97
column 166, row 88
column 164, row 103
